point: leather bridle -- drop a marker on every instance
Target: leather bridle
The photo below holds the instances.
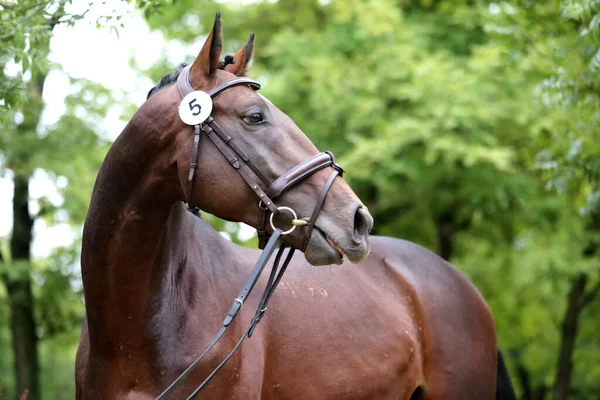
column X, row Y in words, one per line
column 272, row 190
column 246, row 168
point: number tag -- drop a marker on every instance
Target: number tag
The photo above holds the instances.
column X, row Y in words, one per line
column 195, row 108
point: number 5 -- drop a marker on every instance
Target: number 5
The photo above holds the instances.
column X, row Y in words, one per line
column 195, row 106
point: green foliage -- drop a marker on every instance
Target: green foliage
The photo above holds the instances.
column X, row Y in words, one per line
column 25, row 30
column 565, row 56
column 59, row 312
column 58, row 366
column 63, row 313
column 70, row 152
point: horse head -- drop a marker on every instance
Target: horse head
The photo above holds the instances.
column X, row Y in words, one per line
column 274, row 146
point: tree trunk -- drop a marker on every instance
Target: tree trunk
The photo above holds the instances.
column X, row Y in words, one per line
column 18, row 285
column 18, row 281
column 445, row 229
column 540, row 392
column 524, row 379
column 570, row 324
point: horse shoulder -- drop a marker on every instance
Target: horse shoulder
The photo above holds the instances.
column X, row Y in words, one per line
column 457, row 326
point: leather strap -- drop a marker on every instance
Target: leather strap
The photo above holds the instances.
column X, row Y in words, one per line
column 301, row 171
column 231, row 143
column 260, row 312
column 317, row 209
column 193, row 166
column 234, row 82
column 230, row 154
column 185, row 87
column 261, row 231
column 183, row 82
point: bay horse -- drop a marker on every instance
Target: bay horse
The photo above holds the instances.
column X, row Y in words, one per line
column 401, row 324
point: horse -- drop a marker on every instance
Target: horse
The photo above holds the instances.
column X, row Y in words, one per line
column 399, row 324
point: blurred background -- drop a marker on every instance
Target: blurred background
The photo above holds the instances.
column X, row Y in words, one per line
column 468, row 126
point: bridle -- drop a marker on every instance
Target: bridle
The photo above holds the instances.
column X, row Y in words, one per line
column 267, row 208
column 246, row 168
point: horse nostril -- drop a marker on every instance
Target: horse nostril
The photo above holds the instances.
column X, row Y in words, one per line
column 363, row 222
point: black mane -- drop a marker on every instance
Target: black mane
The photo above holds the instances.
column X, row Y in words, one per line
column 166, row 80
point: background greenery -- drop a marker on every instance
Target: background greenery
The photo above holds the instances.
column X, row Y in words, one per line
column 468, row 126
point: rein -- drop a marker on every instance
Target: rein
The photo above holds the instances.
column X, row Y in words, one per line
column 268, row 209
column 274, row 279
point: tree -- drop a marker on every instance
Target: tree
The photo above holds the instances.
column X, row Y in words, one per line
column 563, row 45
column 25, row 147
column 25, row 32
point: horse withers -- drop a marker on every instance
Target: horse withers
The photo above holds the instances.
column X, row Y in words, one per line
column 401, row 324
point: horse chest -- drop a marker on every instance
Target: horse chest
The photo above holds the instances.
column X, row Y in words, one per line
column 291, row 356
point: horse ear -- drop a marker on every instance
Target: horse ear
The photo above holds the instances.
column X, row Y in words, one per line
column 207, row 62
column 242, row 58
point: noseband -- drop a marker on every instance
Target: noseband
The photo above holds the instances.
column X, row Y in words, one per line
column 240, row 161
column 249, row 172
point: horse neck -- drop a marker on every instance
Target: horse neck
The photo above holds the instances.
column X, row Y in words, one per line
column 123, row 247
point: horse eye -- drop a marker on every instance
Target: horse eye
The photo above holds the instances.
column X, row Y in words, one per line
column 253, row 119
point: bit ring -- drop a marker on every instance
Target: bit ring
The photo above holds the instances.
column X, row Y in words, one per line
column 284, row 208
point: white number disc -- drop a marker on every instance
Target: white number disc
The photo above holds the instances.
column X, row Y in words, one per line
column 195, row 108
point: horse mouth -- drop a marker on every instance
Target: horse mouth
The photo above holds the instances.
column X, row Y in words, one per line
column 327, row 249
column 333, row 244
column 331, row 252
column 323, row 249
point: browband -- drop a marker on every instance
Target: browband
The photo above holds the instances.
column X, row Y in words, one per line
column 185, row 87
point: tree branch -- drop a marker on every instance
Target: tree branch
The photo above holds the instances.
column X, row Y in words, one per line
column 58, row 14
column 30, row 9
column 55, row 18
column 29, row 12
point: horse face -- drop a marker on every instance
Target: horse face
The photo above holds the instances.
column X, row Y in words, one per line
column 274, row 144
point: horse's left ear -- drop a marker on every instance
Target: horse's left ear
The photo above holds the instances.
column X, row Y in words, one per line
column 242, row 58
